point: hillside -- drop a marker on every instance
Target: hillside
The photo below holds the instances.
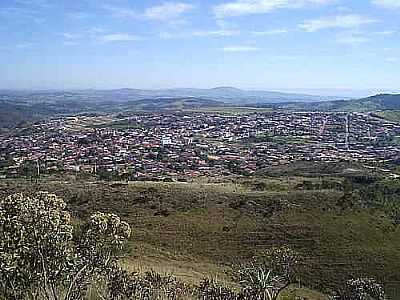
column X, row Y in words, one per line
column 16, row 107
column 205, row 228
column 171, row 104
column 373, row 103
column 25, row 105
column 12, row 114
column 382, row 101
column 243, row 97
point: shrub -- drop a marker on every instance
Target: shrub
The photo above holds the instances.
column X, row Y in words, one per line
column 361, row 289
column 261, row 283
column 210, row 290
column 267, row 276
column 39, row 256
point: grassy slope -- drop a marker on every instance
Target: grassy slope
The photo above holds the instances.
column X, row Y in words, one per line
column 197, row 230
column 393, row 116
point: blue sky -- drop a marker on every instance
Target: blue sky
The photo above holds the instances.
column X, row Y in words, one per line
column 268, row 44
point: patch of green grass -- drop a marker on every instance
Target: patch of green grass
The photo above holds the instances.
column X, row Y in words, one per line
column 293, row 292
column 230, row 110
column 392, row 115
column 360, row 106
column 395, row 141
column 123, row 124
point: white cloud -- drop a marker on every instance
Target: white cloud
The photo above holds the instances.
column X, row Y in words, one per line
column 71, row 36
column 24, row 45
column 340, row 21
column 39, row 3
column 118, row 37
column 70, row 43
column 78, row 15
column 95, row 34
column 39, row 20
column 170, row 36
column 120, row 12
column 385, row 32
column 216, row 33
column 168, row 11
column 200, row 33
column 270, row 32
column 392, row 59
column 352, row 38
column 223, row 23
column 22, row 14
column 165, row 12
column 343, row 9
column 387, row 3
column 240, row 49
column 95, row 30
column 249, row 7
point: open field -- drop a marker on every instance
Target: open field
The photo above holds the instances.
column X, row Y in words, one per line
column 230, row 110
column 205, row 228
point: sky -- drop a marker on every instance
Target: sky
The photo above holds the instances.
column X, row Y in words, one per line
column 319, row 45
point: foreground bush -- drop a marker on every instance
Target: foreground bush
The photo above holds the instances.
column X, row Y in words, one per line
column 267, row 276
column 361, row 289
column 120, row 285
column 210, row 290
column 40, row 254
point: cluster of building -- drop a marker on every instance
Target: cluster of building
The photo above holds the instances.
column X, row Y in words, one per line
column 196, row 144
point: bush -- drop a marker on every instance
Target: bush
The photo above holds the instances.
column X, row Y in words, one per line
column 210, row 290
column 42, row 255
column 267, row 276
column 361, row 289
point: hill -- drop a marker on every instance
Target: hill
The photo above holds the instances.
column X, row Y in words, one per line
column 203, row 229
column 243, row 97
column 171, row 104
column 373, row 103
column 12, row 114
column 223, row 94
column 19, row 106
column 382, row 101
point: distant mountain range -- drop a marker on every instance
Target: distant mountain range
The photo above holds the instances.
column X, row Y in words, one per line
column 228, row 95
column 20, row 106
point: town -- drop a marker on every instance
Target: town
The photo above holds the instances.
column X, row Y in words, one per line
column 179, row 145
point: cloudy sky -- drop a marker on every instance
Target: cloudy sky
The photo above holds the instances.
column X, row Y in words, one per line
column 269, row 44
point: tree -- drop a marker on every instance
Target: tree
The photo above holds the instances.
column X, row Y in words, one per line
column 42, row 255
column 30, row 170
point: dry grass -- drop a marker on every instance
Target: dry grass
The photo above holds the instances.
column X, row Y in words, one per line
column 205, row 228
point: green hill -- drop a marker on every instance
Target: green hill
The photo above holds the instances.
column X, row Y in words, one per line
column 12, row 114
column 373, row 103
column 377, row 102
